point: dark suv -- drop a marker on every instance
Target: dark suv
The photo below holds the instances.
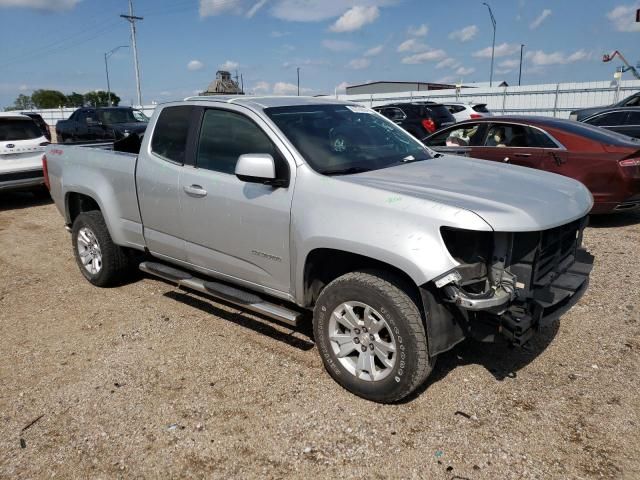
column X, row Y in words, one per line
column 420, row 119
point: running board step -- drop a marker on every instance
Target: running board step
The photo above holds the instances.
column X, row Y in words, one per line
column 242, row 298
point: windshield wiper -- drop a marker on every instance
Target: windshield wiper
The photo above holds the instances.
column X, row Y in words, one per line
column 346, row 171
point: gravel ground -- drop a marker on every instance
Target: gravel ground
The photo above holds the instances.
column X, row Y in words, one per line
column 146, row 381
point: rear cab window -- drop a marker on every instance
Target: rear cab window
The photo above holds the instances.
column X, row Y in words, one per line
column 171, row 133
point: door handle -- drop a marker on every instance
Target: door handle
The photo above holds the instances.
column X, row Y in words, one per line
column 195, row 191
column 522, row 155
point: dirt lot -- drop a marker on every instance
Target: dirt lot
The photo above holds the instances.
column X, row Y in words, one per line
column 145, row 381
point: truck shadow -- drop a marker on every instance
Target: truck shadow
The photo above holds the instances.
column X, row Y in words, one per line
column 19, row 200
column 614, row 220
column 244, row 319
column 501, row 360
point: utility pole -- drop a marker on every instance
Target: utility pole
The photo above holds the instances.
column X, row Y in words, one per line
column 241, row 84
column 106, row 67
column 298, row 70
column 493, row 47
column 132, row 21
column 522, row 45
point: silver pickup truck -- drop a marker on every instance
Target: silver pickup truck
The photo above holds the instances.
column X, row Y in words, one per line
column 293, row 205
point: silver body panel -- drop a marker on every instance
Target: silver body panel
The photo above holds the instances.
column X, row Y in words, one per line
column 260, row 237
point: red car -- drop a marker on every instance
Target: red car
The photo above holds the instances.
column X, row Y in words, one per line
column 606, row 162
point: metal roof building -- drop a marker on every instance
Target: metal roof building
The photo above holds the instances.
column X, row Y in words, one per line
column 395, row 87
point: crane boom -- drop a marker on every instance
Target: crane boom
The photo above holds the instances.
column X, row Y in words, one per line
column 607, row 58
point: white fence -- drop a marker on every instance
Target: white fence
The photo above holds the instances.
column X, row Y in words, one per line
column 554, row 100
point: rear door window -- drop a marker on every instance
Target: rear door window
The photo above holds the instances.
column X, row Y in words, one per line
column 634, row 118
column 171, row 133
column 12, row 129
column 539, row 139
column 609, row 119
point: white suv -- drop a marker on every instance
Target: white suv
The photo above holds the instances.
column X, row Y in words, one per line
column 467, row 111
column 21, row 148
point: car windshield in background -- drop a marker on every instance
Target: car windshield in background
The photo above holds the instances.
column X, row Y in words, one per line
column 343, row 139
column 124, row 115
column 18, row 129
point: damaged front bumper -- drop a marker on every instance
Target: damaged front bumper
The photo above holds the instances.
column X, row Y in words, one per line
column 530, row 280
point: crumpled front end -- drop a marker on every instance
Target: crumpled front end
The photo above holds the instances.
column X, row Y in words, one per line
column 509, row 284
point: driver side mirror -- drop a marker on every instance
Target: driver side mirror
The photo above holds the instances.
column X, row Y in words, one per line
column 258, row 168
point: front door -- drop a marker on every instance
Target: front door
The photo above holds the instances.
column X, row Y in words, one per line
column 459, row 140
column 234, row 229
column 513, row 144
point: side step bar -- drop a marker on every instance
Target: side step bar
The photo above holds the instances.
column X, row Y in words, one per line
column 224, row 292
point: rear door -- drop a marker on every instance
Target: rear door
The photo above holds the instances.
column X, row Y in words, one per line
column 615, row 121
column 158, row 181
column 234, row 229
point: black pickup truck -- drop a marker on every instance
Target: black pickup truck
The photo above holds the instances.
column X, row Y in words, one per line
column 101, row 124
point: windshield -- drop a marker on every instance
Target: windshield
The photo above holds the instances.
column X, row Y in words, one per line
column 122, row 115
column 342, row 139
column 18, row 129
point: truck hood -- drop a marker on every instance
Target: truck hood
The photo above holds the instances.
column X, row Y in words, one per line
column 508, row 197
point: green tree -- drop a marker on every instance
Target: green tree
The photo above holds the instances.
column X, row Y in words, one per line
column 75, row 100
column 48, row 98
column 100, row 98
column 23, row 102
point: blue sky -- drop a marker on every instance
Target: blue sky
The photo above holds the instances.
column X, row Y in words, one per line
column 60, row 43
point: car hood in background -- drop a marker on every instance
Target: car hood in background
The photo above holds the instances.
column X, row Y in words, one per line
column 508, row 197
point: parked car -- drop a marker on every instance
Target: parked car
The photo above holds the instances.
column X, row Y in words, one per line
column 283, row 205
column 21, row 146
column 467, row 111
column 606, row 162
column 630, row 101
column 621, row 120
column 418, row 118
column 101, row 124
column 36, row 117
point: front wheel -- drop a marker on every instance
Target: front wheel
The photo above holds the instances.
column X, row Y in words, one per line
column 371, row 337
column 101, row 261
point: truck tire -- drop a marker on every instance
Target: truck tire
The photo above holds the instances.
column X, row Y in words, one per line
column 101, row 261
column 371, row 337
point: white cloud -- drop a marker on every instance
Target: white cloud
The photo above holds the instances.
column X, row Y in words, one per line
column 338, row 45
column 23, row 88
column 355, row 18
column 195, row 65
column 278, row 34
column 540, row 18
column 372, row 52
column 419, row 31
column 465, row 71
column 448, row 63
column 511, row 63
column 254, row 9
column 284, row 88
column 229, row 65
column 342, row 87
column 503, row 71
column 262, row 87
column 428, row 56
column 540, row 58
column 359, row 63
column 51, row 5
column 623, row 18
column 464, row 34
column 319, row 10
column 209, row 8
column 502, row 50
column 412, row 45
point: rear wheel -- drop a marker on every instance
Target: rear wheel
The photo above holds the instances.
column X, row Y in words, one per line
column 101, row 261
column 371, row 337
